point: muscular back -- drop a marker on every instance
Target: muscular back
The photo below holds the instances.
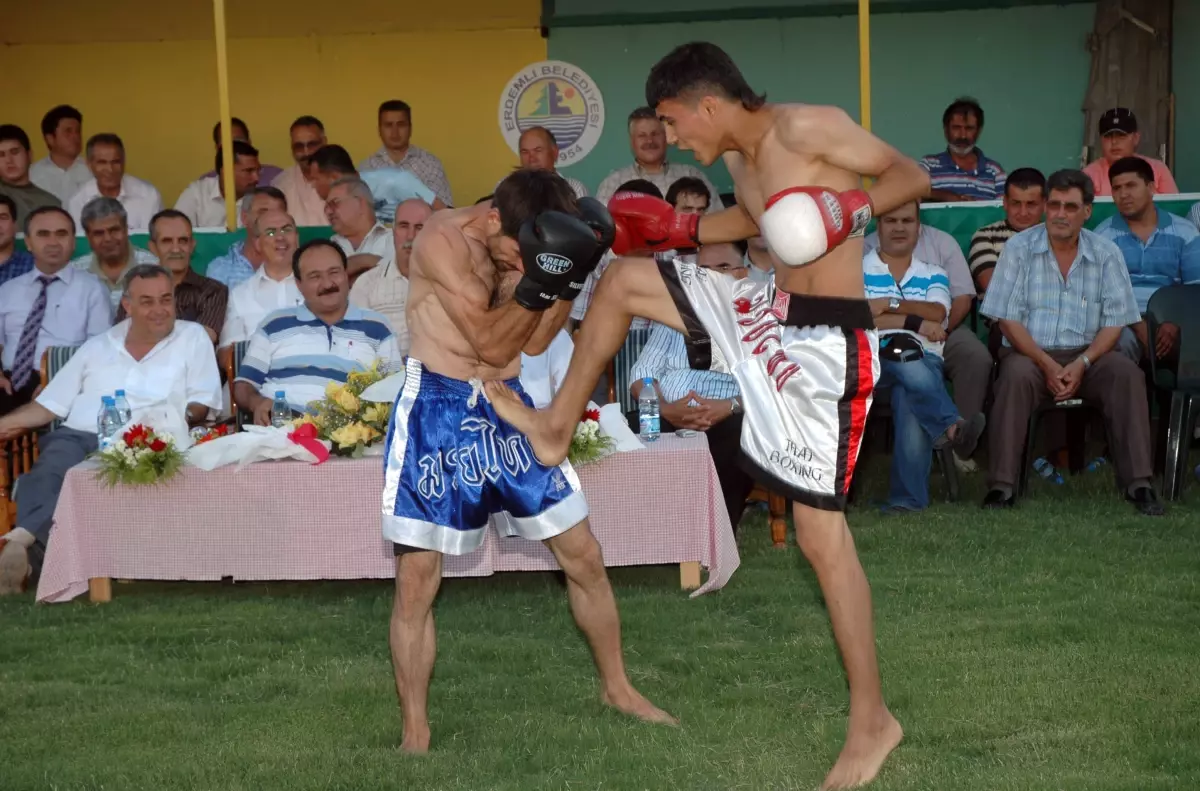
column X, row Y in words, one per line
column 449, row 273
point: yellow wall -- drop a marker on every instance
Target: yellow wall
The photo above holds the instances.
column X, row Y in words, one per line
column 160, row 96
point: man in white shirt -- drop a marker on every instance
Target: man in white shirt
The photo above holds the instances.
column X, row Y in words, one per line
column 351, row 212
column 300, row 350
column 541, row 374
column 307, row 138
column 203, row 201
column 150, row 355
column 51, row 305
column 539, row 151
column 384, row 289
column 107, row 231
column 272, row 287
column 648, row 142
column 106, row 160
column 63, row 171
column 395, row 132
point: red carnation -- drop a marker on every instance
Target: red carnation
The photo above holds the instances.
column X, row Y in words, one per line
column 158, row 446
column 592, row 414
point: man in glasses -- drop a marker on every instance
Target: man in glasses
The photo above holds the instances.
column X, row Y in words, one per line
column 1062, row 295
column 306, row 206
column 272, row 287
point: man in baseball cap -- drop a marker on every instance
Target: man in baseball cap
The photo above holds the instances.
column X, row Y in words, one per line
column 1119, row 137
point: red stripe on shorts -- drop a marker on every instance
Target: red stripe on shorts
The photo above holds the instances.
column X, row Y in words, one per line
column 858, row 404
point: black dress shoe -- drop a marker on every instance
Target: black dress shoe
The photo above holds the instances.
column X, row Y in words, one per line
column 997, row 499
column 1146, row 502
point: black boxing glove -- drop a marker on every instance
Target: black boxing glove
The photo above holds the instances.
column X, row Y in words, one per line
column 594, row 213
column 554, row 247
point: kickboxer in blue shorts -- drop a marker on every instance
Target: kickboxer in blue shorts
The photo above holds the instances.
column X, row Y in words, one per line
column 487, row 283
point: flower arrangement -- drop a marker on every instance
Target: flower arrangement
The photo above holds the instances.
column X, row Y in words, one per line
column 201, row 435
column 589, row 445
column 139, row 457
column 342, row 418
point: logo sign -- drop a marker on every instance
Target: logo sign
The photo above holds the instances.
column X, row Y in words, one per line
column 560, row 97
column 554, row 264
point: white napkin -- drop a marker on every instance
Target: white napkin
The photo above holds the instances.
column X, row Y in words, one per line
column 165, row 418
column 614, row 425
column 253, row 443
column 385, row 390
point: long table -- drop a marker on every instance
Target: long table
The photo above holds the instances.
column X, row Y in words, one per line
column 293, row 521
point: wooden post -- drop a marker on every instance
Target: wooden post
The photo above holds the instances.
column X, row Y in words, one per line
column 864, row 63
column 689, row 575
column 226, row 115
column 100, row 588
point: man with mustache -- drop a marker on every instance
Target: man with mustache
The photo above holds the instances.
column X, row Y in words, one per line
column 197, row 298
column 385, row 287
column 300, row 350
column 648, row 142
column 962, row 172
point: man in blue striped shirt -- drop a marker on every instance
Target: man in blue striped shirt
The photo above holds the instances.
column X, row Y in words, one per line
column 301, row 350
column 1062, row 296
column 701, row 400
column 1159, row 248
column 962, row 172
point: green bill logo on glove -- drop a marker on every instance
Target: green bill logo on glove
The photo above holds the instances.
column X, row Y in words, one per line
column 553, row 264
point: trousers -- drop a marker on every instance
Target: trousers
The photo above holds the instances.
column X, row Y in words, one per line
column 37, row 493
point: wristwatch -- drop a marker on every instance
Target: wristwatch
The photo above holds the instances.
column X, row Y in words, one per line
column 1083, row 358
column 893, row 304
column 735, row 406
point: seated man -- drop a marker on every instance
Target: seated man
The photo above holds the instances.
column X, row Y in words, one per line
column 272, row 287
column 106, row 160
column 363, row 238
column 243, row 258
column 203, row 201
column 306, row 205
column 389, row 186
column 301, row 350
column 384, row 288
column 241, row 133
column 961, row 172
column 1024, row 204
column 689, row 195
column 1062, row 295
column 707, row 401
column 198, row 299
column 13, row 262
column 1159, row 249
column 541, row 374
column 15, row 183
column 53, row 304
column 107, row 230
column 910, row 301
column 1119, row 138
column 152, row 357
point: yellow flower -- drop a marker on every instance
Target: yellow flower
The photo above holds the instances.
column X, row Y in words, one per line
column 332, row 389
column 346, row 400
column 346, row 436
column 376, row 413
column 300, row 421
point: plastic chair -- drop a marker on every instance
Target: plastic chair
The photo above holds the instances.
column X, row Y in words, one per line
column 1179, row 305
column 1076, row 436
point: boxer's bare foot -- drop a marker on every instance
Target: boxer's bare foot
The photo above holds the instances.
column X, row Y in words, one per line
column 550, row 443
column 630, row 701
column 866, row 748
column 416, row 741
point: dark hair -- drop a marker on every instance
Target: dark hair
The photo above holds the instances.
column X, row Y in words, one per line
column 55, row 115
column 273, row 192
column 167, row 214
column 307, row 120
column 333, row 159
column 524, row 194
column 1068, row 179
column 143, row 272
column 396, row 106
column 1024, row 178
column 104, row 139
column 642, row 114
column 14, row 132
column 963, row 105
column 485, row 198
column 240, row 149
column 235, row 121
column 699, row 68
column 11, row 205
column 312, row 244
column 688, row 185
column 546, row 132
column 1131, row 165
column 641, row 185
column 40, row 210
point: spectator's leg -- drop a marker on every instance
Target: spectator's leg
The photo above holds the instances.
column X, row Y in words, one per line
column 1117, row 383
column 725, row 445
column 37, row 494
column 927, row 398
column 969, row 366
column 912, row 454
column 1019, row 389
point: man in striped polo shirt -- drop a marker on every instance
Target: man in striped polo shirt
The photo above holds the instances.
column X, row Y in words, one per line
column 300, row 350
column 962, row 172
column 1024, row 204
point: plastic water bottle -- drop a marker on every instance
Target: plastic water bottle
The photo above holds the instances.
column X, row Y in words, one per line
column 281, row 413
column 107, row 422
column 1044, row 468
column 648, row 411
column 123, row 407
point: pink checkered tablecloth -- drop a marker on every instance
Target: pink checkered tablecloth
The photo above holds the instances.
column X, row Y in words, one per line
column 292, row 521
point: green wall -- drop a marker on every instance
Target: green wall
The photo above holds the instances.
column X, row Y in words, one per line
column 1185, row 84
column 1028, row 66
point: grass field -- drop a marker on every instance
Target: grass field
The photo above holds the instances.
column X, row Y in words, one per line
column 1055, row 646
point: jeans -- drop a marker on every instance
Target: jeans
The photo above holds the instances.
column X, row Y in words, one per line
column 922, row 410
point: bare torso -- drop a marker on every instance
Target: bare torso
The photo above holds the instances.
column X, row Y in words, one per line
column 774, row 168
column 436, row 341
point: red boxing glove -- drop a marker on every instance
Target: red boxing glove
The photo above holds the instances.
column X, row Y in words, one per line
column 645, row 222
column 802, row 224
